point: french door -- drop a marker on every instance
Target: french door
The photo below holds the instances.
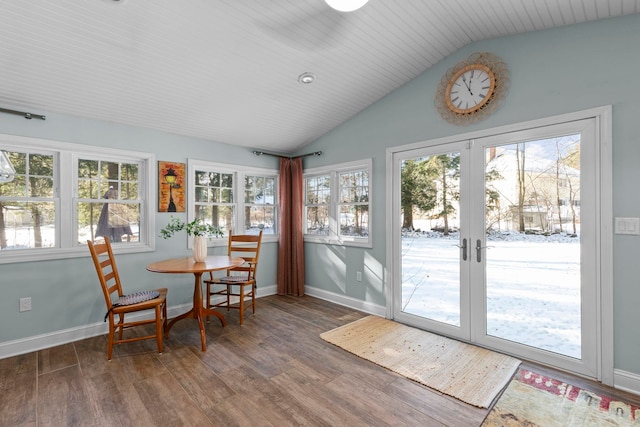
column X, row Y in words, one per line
column 494, row 242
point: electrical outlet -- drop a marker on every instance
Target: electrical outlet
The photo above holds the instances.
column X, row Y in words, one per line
column 359, row 276
column 25, row 304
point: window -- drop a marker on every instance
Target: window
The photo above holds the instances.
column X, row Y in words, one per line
column 108, row 203
column 213, row 198
column 65, row 194
column 28, row 203
column 337, row 204
column 233, row 197
column 259, row 204
column 354, row 203
column 317, row 200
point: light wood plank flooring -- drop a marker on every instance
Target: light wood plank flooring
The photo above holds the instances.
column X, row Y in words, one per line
column 272, row 371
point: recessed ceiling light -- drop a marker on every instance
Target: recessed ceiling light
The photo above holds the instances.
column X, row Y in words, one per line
column 306, row 78
column 346, row 5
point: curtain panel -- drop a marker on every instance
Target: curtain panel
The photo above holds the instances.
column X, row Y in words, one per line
column 291, row 243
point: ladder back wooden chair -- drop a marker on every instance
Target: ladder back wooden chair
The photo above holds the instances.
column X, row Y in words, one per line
column 119, row 304
column 237, row 280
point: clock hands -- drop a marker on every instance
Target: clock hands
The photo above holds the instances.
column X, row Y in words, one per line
column 476, row 84
column 468, row 85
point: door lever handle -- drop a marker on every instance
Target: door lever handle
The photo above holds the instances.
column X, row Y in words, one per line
column 464, row 249
column 479, row 249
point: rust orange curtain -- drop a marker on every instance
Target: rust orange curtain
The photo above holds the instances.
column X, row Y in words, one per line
column 291, row 243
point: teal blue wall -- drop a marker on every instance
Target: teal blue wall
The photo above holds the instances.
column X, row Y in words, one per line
column 553, row 72
column 65, row 293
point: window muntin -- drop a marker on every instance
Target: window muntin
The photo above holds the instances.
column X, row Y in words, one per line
column 337, row 204
column 233, row 197
column 48, row 192
column 28, row 203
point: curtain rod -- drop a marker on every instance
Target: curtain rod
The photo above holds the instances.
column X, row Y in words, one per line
column 24, row 114
column 264, row 153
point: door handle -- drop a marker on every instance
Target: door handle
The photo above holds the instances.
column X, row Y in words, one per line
column 464, row 249
column 479, row 249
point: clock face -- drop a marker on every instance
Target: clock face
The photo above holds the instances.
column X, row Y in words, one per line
column 470, row 89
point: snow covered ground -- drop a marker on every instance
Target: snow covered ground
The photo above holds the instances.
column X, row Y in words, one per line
column 533, row 286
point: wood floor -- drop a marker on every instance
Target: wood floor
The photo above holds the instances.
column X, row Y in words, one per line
column 272, row 371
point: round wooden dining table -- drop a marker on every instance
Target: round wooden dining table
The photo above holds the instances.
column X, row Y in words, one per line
column 189, row 265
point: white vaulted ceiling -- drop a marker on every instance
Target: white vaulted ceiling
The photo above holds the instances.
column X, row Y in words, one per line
column 226, row 70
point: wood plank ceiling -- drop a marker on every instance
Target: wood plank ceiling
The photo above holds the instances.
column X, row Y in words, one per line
column 227, row 70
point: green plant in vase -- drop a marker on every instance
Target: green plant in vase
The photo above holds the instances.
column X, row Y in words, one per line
column 198, row 229
column 194, row 228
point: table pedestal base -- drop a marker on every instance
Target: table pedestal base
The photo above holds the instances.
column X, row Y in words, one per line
column 198, row 312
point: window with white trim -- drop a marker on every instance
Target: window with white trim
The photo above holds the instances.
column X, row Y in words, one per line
column 28, row 204
column 108, row 201
column 213, row 199
column 65, row 194
column 233, row 197
column 260, row 204
column 337, row 204
column 317, row 203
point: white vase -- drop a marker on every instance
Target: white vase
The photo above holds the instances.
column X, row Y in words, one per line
column 199, row 248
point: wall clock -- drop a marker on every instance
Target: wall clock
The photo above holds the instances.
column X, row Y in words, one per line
column 472, row 89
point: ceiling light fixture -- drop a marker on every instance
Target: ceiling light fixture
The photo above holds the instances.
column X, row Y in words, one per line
column 346, row 5
column 306, row 78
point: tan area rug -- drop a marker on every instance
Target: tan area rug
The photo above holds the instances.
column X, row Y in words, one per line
column 534, row 400
column 468, row 373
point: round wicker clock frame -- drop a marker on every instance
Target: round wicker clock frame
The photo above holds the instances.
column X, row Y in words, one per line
column 501, row 73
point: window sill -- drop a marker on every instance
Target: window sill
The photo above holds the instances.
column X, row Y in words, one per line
column 47, row 254
column 326, row 240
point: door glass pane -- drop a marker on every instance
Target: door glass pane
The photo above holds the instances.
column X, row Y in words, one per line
column 532, row 221
column 430, row 235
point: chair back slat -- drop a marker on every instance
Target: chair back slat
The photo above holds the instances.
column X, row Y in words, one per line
column 106, row 269
column 239, row 281
column 246, row 246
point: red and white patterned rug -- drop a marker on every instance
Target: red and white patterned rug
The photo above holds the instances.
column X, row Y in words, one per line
column 532, row 399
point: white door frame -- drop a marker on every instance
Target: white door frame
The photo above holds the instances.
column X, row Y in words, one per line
column 604, row 220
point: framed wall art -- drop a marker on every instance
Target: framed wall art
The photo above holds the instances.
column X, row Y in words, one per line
column 171, row 183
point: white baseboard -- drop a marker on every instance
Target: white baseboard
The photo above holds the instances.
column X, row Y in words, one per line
column 346, row 301
column 64, row 336
column 264, row 291
column 627, row 381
